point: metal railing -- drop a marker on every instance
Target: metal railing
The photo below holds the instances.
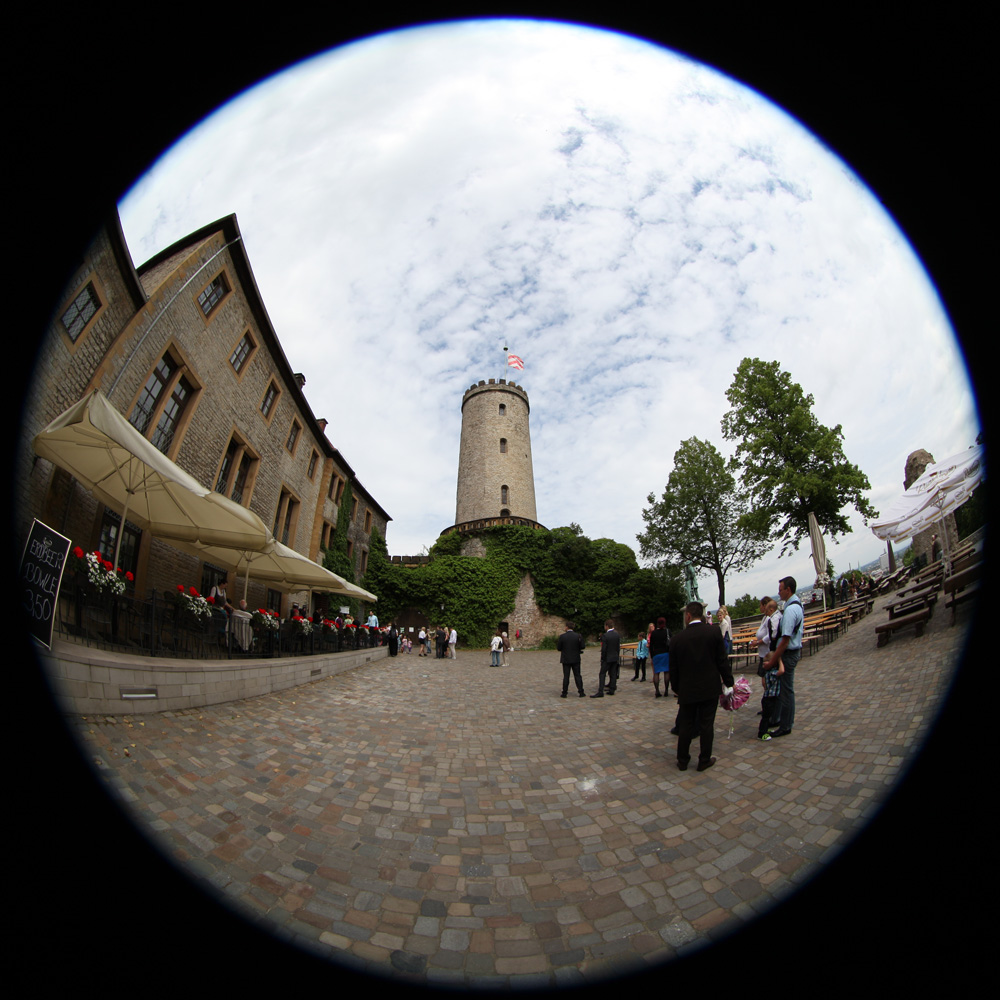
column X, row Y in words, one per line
column 160, row 626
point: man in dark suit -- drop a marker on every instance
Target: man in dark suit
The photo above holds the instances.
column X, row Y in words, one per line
column 570, row 646
column 610, row 649
column 699, row 673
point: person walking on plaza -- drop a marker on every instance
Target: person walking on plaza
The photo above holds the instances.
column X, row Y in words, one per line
column 610, row 651
column 641, row 654
column 659, row 651
column 699, row 673
column 504, row 648
column 422, row 641
column 496, row 644
column 570, row 645
column 452, row 643
column 788, row 650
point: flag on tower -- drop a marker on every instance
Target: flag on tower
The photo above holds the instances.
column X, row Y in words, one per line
column 513, row 361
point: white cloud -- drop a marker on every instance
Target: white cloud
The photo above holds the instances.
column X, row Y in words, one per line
column 630, row 223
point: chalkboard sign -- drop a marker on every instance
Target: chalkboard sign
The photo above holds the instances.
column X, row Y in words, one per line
column 41, row 573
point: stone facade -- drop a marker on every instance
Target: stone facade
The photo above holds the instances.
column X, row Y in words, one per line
column 495, row 476
column 534, row 624
column 185, row 339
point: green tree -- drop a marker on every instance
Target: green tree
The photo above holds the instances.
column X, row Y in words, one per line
column 383, row 579
column 574, row 577
column 790, row 463
column 746, row 607
column 650, row 593
column 700, row 517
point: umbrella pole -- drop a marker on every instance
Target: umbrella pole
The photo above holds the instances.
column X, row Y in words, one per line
column 121, row 532
column 947, row 548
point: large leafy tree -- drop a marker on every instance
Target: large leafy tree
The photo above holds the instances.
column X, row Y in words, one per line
column 699, row 518
column 790, row 463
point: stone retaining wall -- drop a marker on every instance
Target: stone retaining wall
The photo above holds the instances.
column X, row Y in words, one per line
column 90, row 681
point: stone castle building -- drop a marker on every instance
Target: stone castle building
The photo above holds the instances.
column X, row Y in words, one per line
column 496, row 482
column 182, row 346
column 496, row 487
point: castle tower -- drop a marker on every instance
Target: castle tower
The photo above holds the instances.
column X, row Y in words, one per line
column 495, row 477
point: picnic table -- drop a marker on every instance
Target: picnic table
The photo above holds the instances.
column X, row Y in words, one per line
column 915, row 602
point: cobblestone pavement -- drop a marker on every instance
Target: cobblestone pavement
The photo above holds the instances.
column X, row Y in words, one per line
column 451, row 823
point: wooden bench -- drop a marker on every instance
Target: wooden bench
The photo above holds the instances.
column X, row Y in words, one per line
column 925, row 586
column 885, row 630
column 962, row 587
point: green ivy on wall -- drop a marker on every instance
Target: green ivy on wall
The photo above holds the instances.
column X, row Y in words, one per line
column 575, row 577
column 335, row 557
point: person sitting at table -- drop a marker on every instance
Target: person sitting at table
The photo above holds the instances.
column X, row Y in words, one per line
column 218, row 595
column 240, row 623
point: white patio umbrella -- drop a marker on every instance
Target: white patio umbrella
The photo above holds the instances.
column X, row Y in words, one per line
column 94, row 443
column 818, row 554
column 279, row 565
column 940, row 491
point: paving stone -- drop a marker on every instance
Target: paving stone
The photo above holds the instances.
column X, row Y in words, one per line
column 375, row 824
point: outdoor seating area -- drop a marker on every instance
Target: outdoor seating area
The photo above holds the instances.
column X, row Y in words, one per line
column 159, row 625
column 956, row 578
column 820, row 629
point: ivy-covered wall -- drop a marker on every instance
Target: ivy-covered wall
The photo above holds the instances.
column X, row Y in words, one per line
column 572, row 577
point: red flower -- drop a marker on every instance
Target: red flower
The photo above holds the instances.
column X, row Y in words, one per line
column 193, row 592
column 106, row 565
column 180, row 588
column 129, row 577
column 78, row 552
column 211, row 600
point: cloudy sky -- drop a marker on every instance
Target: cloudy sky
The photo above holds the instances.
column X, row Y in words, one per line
column 630, row 223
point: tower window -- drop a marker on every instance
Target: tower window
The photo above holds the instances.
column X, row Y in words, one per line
column 503, row 409
column 503, row 446
column 503, row 495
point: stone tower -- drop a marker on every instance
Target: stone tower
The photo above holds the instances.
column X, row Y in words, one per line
column 496, row 484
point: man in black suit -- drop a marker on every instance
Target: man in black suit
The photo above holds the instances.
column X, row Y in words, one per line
column 570, row 646
column 610, row 649
column 699, row 667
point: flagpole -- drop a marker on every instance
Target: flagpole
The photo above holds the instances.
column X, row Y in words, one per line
column 504, row 375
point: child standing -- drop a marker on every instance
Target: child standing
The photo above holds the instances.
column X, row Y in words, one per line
column 641, row 653
column 771, row 682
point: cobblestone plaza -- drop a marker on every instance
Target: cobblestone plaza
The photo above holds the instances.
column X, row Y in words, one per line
column 448, row 824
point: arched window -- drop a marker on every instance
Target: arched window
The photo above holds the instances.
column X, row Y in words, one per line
column 503, row 495
column 503, row 446
column 503, row 409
